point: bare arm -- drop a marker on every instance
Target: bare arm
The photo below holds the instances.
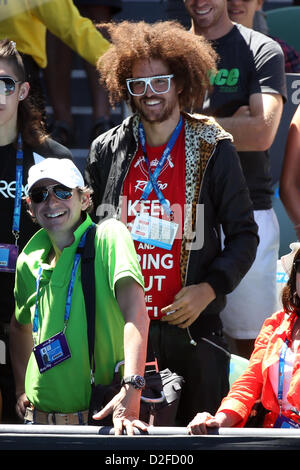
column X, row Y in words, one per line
column 20, row 349
column 254, row 127
column 126, row 405
column 290, row 174
column 130, row 296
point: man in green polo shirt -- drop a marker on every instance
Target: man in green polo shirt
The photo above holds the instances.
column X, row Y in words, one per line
column 53, row 380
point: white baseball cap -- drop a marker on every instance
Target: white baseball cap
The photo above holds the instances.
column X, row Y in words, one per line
column 61, row 170
column 288, row 260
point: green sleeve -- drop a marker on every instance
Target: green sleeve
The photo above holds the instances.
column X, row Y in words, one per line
column 21, row 293
column 116, row 248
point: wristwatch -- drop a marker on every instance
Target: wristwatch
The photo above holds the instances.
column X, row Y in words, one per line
column 136, row 380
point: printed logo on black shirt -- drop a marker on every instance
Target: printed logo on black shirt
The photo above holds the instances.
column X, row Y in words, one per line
column 226, row 80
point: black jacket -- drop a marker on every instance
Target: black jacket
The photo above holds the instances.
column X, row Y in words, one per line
column 214, row 179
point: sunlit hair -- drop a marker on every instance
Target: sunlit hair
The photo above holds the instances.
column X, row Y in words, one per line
column 290, row 298
column 30, row 122
column 189, row 57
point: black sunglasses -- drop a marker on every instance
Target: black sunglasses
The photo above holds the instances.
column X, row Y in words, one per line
column 10, row 84
column 40, row 194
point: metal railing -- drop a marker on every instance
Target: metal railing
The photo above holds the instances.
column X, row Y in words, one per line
column 151, row 431
column 173, row 439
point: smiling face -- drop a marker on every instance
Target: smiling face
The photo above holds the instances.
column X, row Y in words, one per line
column 243, row 11
column 153, row 107
column 209, row 17
column 58, row 216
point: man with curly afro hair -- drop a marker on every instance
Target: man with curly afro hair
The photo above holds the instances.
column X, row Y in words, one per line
column 174, row 178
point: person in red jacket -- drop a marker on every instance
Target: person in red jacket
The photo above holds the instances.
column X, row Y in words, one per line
column 273, row 372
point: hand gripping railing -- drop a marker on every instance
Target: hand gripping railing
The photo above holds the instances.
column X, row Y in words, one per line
column 172, row 440
column 151, row 431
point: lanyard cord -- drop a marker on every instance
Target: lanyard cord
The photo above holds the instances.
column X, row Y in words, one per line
column 152, row 184
column 18, row 194
column 77, row 258
column 281, row 372
column 282, row 362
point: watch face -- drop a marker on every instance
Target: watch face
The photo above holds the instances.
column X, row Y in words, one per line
column 140, row 381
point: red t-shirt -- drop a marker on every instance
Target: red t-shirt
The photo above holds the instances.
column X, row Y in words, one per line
column 160, row 267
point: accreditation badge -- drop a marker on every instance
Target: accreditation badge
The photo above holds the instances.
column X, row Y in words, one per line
column 284, row 422
column 8, row 257
column 52, row 352
column 154, row 231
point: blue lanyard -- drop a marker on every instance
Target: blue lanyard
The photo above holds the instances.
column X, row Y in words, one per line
column 152, row 184
column 281, row 371
column 35, row 325
column 18, row 193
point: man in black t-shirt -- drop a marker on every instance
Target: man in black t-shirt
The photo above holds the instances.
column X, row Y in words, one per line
column 247, row 100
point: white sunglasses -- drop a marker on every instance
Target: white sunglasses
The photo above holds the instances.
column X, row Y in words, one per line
column 159, row 84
